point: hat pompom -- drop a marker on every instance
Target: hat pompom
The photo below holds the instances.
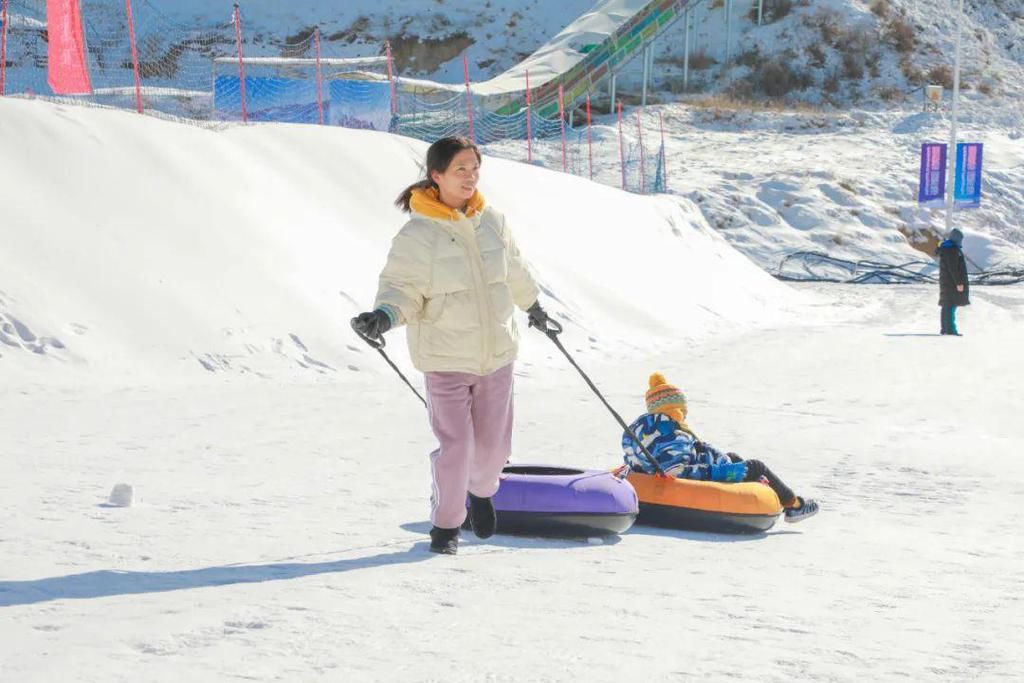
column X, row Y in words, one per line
column 663, row 396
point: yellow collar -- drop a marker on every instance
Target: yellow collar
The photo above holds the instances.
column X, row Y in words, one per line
column 427, row 202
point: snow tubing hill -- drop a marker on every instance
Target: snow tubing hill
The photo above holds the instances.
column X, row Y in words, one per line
column 540, row 500
column 745, row 508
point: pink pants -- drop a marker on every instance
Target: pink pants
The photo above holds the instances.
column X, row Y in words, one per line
column 472, row 419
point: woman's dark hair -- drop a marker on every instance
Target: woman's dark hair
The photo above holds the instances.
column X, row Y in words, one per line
column 439, row 158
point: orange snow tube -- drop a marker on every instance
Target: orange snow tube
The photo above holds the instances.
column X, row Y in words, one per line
column 744, row 508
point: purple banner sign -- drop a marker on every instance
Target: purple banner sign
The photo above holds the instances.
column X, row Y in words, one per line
column 932, row 189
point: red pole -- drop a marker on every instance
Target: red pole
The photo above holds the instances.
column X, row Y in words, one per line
column 561, row 116
column 391, row 78
column 319, row 76
column 590, row 140
column 622, row 151
column 529, row 122
column 241, row 60
column 135, row 55
column 3, row 49
column 640, row 137
column 469, row 96
column 664, row 154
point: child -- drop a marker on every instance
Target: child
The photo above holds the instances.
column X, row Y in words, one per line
column 954, row 289
column 665, row 434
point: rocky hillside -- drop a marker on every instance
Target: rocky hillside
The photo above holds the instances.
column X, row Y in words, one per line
column 838, row 52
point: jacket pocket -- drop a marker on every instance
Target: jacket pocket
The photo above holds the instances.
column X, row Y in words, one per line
column 434, row 309
column 453, row 327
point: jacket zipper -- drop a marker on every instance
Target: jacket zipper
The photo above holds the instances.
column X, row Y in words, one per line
column 484, row 311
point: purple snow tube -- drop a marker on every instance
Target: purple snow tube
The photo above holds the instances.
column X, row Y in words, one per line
column 542, row 500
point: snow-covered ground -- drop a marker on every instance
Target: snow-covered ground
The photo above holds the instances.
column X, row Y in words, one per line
column 175, row 318
column 280, row 533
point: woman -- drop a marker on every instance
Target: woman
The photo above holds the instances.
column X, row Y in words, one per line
column 454, row 276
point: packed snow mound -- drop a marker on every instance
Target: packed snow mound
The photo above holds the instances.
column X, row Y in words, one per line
column 143, row 245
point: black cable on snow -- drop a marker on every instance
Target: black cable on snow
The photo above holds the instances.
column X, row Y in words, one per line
column 814, row 266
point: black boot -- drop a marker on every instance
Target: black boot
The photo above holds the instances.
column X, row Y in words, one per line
column 482, row 517
column 444, row 541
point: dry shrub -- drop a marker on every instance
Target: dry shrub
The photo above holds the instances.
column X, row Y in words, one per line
column 881, row 8
column 775, row 78
column 874, row 63
column 701, row 60
column 913, row 74
column 889, row 93
column 941, row 74
column 816, row 55
column 777, row 9
column 853, row 44
column 828, row 24
column 727, row 102
column 901, row 35
column 742, row 89
column 831, row 83
column 853, row 66
column 750, row 58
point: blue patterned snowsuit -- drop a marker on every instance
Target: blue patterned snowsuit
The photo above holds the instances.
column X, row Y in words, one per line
column 679, row 453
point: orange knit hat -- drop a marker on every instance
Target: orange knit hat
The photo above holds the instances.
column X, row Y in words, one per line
column 662, row 395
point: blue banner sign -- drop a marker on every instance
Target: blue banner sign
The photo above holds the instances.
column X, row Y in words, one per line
column 967, row 187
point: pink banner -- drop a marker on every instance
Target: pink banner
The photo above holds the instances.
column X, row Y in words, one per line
column 68, row 72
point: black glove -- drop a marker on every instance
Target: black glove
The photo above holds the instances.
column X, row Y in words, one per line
column 538, row 316
column 372, row 324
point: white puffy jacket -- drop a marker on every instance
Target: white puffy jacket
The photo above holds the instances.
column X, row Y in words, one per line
column 454, row 279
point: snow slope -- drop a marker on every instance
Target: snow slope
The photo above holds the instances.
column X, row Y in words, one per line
column 187, row 248
column 279, row 532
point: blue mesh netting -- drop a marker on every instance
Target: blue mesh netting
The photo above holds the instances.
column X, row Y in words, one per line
column 194, row 73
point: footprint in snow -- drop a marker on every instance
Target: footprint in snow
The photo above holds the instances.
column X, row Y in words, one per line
column 16, row 334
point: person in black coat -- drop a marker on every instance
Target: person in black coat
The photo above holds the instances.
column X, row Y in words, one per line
column 954, row 289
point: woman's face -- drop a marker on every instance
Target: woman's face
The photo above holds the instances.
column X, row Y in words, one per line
column 458, row 183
